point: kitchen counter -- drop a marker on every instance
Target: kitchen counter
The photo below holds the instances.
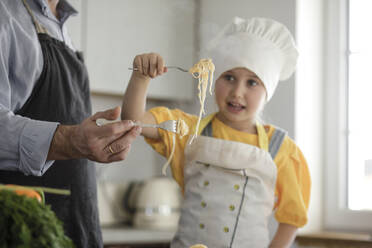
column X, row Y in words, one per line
column 128, row 235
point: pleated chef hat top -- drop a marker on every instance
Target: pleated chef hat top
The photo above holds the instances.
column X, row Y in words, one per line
column 264, row 46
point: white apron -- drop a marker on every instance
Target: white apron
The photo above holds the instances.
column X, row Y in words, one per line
column 229, row 192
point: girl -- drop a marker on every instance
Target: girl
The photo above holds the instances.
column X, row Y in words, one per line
column 238, row 170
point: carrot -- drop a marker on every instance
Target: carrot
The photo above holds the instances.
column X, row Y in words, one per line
column 34, row 191
column 20, row 190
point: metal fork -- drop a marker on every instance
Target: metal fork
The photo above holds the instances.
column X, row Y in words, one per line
column 172, row 67
column 170, row 125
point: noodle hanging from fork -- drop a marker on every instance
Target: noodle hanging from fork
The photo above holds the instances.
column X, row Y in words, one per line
column 205, row 69
column 182, row 129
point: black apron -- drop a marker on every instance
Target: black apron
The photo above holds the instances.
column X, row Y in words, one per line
column 61, row 94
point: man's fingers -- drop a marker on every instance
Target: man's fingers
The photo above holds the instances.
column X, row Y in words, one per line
column 122, row 143
column 109, row 151
column 121, row 155
column 119, row 149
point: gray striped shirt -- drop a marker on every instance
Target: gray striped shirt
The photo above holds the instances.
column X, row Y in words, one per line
column 24, row 143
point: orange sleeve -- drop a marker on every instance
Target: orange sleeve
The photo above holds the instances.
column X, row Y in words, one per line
column 165, row 144
column 293, row 185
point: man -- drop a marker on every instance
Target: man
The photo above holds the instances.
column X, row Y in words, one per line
column 46, row 133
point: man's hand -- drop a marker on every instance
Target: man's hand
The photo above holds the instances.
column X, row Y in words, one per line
column 103, row 144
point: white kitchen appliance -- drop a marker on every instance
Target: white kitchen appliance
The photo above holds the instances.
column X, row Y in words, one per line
column 154, row 203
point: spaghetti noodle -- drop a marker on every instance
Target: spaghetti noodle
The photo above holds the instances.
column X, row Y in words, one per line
column 182, row 130
column 203, row 70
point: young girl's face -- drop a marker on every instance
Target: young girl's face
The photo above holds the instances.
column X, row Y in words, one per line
column 240, row 95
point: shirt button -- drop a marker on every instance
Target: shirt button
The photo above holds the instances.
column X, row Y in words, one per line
column 203, row 204
column 206, row 183
column 232, row 207
column 226, row 229
column 201, row 225
column 236, row 187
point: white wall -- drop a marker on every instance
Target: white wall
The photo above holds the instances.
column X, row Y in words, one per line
column 129, row 28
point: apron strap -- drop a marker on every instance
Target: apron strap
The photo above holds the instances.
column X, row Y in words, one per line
column 204, row 122
column 207, row 131
column 39, row 28
column 276, row 141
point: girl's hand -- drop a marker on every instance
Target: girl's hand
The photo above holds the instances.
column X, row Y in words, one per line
column 149, row 65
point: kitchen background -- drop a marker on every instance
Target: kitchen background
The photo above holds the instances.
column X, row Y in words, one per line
column 111, row 33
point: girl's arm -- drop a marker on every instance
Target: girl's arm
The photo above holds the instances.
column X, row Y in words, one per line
column 284, row 236
column 149, row 66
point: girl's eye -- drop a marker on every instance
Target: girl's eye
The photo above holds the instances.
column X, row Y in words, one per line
column 252, row 83
column 229, row 77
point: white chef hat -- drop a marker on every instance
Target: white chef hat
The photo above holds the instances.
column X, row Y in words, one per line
column 261, row 45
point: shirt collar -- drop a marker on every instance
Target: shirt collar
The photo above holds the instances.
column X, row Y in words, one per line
column 64, row 9
column 43, row 5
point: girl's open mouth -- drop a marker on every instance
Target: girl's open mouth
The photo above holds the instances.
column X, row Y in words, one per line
column 235, row 107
